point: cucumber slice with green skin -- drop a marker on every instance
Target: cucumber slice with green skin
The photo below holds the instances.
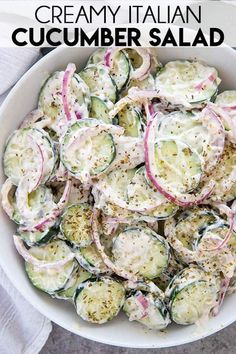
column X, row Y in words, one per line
column 186, row 127
column 120, row 71
column 230, row 194
column 126, row 216
column 191, row 303
column 178, row 166
column 100, row 108
column 227, row 99
column 97, row 57
column 147, row 309
column 116, row 183
column 78, row 276
column 50, row 279
column 90, row 156
column 117, row 186
column 76, row 224
column 20, row 157
column 90, row 259
column 224, row 174
column 141, row 251
column 192, row 222
column 50, row 97
column 162, row 212
column 99, row 300
column 143, row 195
column 192, row 293
column 51, row 252
column 146, row 84
column 99, row 81
column 135, row 59
column 34, row 206
column 187, row 82
column 224, row 261
column 37, row 238
column 130, row 118
column 121, row 66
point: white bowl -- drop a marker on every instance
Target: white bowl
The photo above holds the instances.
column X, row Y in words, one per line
column 120, row 332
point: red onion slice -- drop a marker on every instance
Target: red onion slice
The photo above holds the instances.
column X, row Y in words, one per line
column 40, row 170
column 182, row 199
column 142, row 300
column 22, row 250
column 68, row 74
column 107, row 55
column 32, row 119
column 223, row 289
column 211, row 78
column 6, row 204
column 224, row 114
column 213, row 124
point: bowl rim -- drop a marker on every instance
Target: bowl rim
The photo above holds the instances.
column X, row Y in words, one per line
column 39, row 307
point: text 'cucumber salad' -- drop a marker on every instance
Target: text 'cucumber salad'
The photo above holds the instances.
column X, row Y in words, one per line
column 122, row 185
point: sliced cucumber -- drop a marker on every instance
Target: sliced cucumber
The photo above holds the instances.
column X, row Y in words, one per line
column 230, row 194
column 178, row 166
column 144, row 195
column 34, row 238
column 162, row 212
column 89, row 156
column 141, row 251
column 120, row 69
column 99, row 300
column 121, row 66
column 50, row 279
column 100, row 108
column 193, row 222
column 187, row 82
column 26, row 150
column 76, row 224
column 147, row 309
column 130, row 118
column 146, row 84
column 129, row 187
column 223, row 174
column 35, row 206
column 226, row 99
column 50, row 97
column 186, row 127
column 115, row 184
column 78, row 276
column 135, row 59
column 224, row 261
column 99, row 81
column 126, row 216
column 116, row 212
column 191, row 302
column 192, row 295
column 90, row 259
column 97, row 57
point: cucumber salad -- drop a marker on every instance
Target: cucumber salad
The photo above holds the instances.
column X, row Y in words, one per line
column 122, row 184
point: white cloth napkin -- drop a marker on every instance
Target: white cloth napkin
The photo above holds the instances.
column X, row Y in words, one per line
column 23, row 330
